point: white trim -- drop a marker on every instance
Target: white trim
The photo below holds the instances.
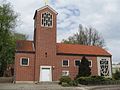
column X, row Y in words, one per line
column 41, row 20
column 24, row 81
column 41, row 67
column 21, row 61
column 47, row 7
column 65, row 65
column 91, row 62
column 109, row 63
column 65, row 71
column 33, row 46
column 76, row 60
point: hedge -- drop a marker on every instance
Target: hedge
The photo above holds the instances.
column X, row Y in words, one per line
column 97, row 80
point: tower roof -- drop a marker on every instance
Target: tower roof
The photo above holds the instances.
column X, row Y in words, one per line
column 46, row 6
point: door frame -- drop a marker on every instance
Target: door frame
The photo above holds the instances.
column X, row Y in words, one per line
column 40, row 75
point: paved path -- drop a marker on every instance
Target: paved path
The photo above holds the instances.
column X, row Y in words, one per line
column 105, row 87
column 9, row 86
column 36, row 87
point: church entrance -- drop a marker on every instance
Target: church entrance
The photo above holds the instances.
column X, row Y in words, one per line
column 45, row 73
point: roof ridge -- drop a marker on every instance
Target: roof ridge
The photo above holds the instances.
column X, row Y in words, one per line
column 47, row 6
column 81, row 49
column 79, row 45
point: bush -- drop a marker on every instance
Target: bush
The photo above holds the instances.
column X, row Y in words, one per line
column 83, row 80
column 91, row 80
column 73, row 83
column 64, row 84
column 108, row 79
column 98, row 78
column 84, row 70
column 116, row 76
column 65, row 79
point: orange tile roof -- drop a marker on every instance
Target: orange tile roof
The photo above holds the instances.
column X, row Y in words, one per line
column 80, row 49
column 28, row 46
column 24, row 45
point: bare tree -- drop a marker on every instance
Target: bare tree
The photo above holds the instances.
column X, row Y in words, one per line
column 86, row 36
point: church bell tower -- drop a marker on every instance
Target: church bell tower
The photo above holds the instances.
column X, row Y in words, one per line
column 45, row 36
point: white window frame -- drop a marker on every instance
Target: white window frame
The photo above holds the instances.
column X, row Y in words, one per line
column 91, row 63
column 65, row 65
column 76, row 60
column 68, row 73
column 21, row 61
column 41, row 20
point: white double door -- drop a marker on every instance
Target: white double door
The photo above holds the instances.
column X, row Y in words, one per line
column 45, row 73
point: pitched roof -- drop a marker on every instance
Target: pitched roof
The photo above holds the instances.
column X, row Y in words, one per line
column 28, row 46
column 46, row 6
column 25, row 45
column 80, row 49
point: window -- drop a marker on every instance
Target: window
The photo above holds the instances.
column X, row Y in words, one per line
column 90, row 63
column 104, row 67
column 77, row 62
column 65, row 63
column 46, row 19
column 24, row 61
column 65, row 73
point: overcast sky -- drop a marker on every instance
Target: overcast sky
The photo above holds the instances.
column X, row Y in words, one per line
column 104, row 15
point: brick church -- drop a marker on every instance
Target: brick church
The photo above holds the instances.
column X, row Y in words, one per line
column 43, row 59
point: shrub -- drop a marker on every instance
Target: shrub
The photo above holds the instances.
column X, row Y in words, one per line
column 97, row 78
column 84, row 69
column 91, row 80
column 73, row 83
column 64, row 84
column 116, row 76
column 108, row 79
column 83, row 80
column 65, row 79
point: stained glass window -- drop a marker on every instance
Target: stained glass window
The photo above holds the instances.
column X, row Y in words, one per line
column 47, row 19
column 104, row 67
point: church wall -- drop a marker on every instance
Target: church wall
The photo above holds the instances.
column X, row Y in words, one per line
column 73, row 70
column 24, row 73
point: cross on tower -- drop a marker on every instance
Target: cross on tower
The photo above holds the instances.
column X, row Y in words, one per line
column 46, row 2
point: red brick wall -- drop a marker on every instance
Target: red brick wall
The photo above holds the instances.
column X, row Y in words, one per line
column 73, row 70
column 45, row 43
column 24, row 73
